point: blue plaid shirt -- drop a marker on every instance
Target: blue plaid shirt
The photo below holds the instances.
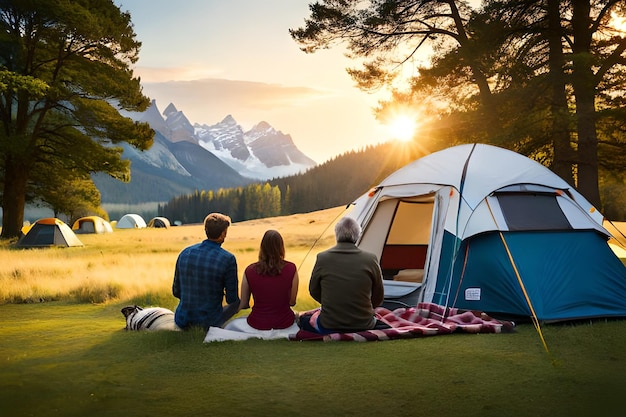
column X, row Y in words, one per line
column 204, row 274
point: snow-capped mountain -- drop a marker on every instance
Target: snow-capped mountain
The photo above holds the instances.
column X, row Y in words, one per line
column 186, row 157
column 260, row 153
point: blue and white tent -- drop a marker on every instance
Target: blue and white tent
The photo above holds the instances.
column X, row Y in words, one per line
column 484, row 228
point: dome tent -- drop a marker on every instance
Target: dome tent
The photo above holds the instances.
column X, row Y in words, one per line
column 91, row 224
column 49, row 232
column 131, row 221
column 159, row 222
column 483, row 228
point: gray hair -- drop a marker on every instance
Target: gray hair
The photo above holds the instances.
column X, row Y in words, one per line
column 347, row 230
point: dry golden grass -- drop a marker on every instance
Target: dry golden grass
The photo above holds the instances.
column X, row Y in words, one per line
column 139, row 264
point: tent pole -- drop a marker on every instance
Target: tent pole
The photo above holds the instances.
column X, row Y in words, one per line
column 535, row 320
column 521, row 284
column 320, row 236
column 458, row 288
column 457, row 244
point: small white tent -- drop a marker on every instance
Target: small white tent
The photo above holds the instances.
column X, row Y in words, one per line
column 131, row 221
column 484, row 228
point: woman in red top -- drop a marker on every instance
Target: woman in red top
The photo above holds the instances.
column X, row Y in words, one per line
column 273, row 283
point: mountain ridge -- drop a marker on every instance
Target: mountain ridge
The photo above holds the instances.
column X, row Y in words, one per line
column 190, row 157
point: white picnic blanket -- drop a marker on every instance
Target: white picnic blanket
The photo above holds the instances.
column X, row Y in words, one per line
column 239, row 329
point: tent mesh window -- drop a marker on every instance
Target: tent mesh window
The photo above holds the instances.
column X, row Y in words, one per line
column 45, row 235
column 530, row 211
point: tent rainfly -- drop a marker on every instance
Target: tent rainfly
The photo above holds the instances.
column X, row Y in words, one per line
column 131, row 221
column 49, row 232
column 483, row 228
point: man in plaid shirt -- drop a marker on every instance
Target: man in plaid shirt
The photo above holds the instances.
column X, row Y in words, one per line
column 204, row 274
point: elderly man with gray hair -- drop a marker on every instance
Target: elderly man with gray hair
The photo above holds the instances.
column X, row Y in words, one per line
column 347, row 282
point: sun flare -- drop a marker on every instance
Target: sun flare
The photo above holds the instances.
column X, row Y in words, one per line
column 403, row 128
column 618, row 22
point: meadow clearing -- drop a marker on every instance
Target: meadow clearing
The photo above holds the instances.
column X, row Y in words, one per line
column 64, row 350
column 138, row 264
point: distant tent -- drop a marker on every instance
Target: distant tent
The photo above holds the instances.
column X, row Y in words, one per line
column 159, row 222
column 619, row 251
column 25, row 227
column 91, row 224
column 49, row 232
column 131, row 221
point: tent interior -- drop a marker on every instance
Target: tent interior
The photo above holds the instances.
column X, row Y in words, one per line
column 406, row 225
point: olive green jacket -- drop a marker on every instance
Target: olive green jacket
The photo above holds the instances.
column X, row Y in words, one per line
column 347, row 282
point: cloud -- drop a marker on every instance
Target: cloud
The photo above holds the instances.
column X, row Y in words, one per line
column 202, row 100
column 167, row 74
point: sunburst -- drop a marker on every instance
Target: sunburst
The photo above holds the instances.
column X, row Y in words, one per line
column 403, row 128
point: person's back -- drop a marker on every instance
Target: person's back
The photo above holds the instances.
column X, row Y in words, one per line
column 272, row 297
column 273, row 283
column 347, row 282
column 204, row 273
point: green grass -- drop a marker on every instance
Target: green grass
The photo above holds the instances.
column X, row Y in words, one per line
column 62, row 359
column 72, row 357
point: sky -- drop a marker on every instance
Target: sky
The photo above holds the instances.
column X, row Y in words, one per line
column 214, row 58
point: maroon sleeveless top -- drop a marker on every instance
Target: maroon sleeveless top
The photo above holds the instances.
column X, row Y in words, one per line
column 272, row 293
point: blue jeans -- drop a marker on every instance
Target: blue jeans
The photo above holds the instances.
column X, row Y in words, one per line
column 304, row 322
column 227, row 312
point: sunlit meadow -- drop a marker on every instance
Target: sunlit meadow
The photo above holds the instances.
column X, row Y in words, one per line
column 137, row 265
column 64, row 350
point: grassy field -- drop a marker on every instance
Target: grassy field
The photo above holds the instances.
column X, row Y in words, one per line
column 70, row 356
column 138, row 264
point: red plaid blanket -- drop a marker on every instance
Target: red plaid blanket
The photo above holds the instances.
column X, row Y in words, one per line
column 424, row 320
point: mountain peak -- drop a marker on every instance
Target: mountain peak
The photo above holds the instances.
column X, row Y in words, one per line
column 171, row 108
column 261, row 153
column 263, row 125
column 228, row 120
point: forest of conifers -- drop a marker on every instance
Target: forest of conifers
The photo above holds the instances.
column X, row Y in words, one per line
column 335, row 182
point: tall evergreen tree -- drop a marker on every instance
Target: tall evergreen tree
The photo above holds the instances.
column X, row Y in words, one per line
column 65, row 70
column 525, row 74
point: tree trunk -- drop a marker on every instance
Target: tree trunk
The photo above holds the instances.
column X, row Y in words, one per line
column 561, row 140
column 587, row 149
column 14, row 200
column 480, row 79
column 584, row 92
